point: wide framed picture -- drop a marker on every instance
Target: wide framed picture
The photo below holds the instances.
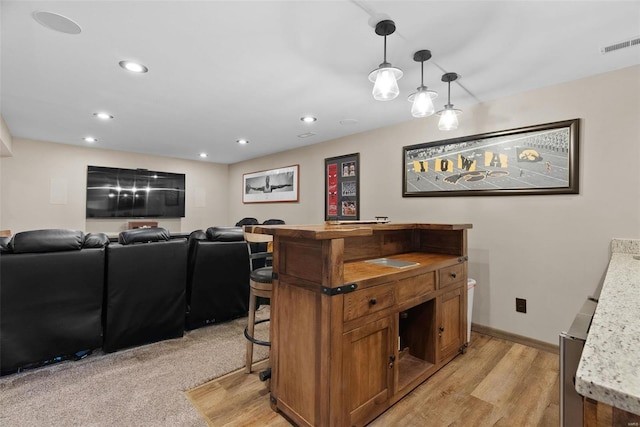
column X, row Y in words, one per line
column 273, row 185
column 541, row 159
column 342, row 187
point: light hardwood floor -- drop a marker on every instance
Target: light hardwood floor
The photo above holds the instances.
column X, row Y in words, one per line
column 496, row 383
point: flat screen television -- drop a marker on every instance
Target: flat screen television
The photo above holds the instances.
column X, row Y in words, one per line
column 134, row 193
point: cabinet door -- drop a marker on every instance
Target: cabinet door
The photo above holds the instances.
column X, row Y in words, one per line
column 451, row 333
column 368, row 369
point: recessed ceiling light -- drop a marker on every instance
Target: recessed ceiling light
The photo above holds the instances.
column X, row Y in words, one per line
column 242, row 141
column 308, row 119
column 90, row 139
column 103, row 115
column 56, row 22
column 204, row 155
column 134, row 67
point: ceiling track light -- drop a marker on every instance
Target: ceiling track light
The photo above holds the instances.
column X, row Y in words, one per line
column 423, row 98
column 386, row 76
column 449, row 115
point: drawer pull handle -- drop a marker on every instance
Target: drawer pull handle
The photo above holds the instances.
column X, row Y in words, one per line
column 373, row 301
column 453, row 275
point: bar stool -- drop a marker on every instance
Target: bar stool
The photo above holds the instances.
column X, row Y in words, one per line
column 260, row 285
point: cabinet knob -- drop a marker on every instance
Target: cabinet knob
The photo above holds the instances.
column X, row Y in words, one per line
column 453, row 275
column 373, row 301
column 441, row 328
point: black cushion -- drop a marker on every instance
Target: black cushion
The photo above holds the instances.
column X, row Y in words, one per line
column 4, row 244
column 51, row 240
column 262, row 275
column 225, row 234
column 143, row 235
column 95, row 240
column 273, row 222
column 247, row 221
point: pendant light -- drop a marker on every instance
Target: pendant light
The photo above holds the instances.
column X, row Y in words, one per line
column 423, row 98
column 386, row 76
column 449, row 115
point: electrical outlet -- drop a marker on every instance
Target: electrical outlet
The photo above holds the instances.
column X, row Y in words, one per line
column 521, row 305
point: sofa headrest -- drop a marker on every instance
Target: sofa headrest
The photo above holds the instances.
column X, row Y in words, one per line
column 4, row 244
column 95, row 240
column 247, row 221
column 197, row 235
column 52, row 240
column 273, row 222
column 143, row 235
column 225, row 234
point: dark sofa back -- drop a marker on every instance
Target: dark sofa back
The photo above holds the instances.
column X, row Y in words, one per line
column 218, row 286
column 51, row 296
column 146, row 283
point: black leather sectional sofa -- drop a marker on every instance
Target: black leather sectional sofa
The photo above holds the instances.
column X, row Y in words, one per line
column 64, row 293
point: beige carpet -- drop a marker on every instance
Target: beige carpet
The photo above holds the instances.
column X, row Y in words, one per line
column 142, row 386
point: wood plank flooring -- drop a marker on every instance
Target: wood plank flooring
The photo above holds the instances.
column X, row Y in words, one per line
column 496, row 383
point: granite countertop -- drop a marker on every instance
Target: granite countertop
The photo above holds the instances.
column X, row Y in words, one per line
column 609, row 369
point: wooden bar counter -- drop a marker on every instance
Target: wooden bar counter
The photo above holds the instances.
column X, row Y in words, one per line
column 362, row 314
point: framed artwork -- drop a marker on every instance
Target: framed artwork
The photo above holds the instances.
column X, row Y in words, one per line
column 273, row 185
column 342, row 187
column 541, row 159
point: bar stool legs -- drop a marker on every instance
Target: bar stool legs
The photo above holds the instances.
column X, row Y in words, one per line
column 256, row 289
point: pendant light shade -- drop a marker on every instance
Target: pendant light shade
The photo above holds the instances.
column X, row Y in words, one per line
column 448, row 118
column 386, row 76
column 385, row 81
column 449, row 115
column 423, row 98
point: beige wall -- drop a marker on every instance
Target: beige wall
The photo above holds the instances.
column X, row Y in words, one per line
column 551, row 250
column 44, row 186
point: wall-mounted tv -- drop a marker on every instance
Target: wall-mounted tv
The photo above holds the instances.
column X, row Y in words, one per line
column 134, row 193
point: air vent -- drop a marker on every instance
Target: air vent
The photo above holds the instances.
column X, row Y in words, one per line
column 633, row 41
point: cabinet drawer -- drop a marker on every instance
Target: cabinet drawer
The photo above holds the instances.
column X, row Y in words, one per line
column 370, row 300
column 451, row 275
column 416, row 286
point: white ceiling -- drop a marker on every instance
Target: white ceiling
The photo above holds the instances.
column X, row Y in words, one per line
column 224, row 70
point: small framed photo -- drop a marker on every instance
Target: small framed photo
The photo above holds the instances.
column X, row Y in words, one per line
column 342, row 187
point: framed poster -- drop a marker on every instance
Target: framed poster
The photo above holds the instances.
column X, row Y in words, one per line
column 274, row 185
column 342, row 187
column 541, row 159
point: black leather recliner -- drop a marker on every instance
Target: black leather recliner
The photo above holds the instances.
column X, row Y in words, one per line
column 145, row 290
column 218, row 277
column 51, row 296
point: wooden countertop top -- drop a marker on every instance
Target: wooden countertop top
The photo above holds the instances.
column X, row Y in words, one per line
column 336, row 231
